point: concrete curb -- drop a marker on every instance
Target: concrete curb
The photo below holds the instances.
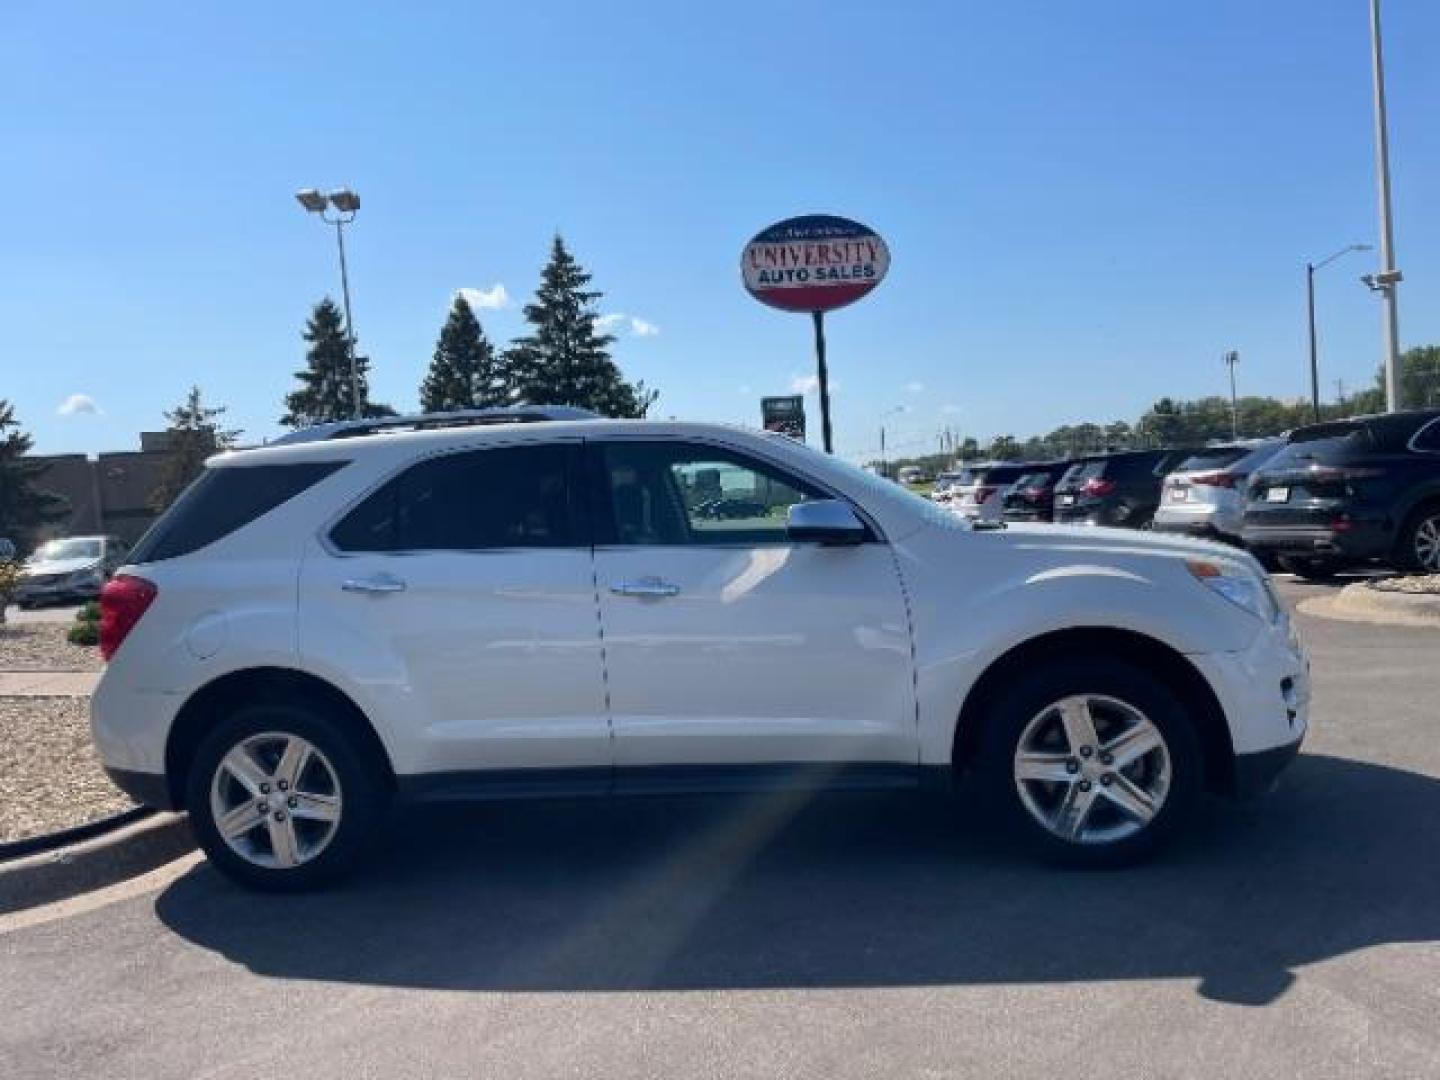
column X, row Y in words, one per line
column 1362, row 603
column 92, row 864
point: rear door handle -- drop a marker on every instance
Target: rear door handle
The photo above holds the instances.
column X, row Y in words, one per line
column 646, row 586
column 378, row 583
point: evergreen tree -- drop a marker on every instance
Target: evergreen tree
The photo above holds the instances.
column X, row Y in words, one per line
column 194, row 434
column 25, row 505
column 464, row 373
column 325, row 392
column 564, row 360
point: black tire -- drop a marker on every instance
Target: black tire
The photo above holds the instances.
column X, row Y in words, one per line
column 365, row 796
column 1312, row 567
column 1411, row 555
column 1028, row 698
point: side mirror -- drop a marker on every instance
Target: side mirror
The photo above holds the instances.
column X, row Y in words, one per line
column 824, row 521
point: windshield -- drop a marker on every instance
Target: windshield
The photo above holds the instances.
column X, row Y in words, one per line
column 60, row 550
column 1323, row 444
column 1214, row 457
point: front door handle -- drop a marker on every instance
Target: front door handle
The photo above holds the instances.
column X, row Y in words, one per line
column 646, row 586
column 377, row 583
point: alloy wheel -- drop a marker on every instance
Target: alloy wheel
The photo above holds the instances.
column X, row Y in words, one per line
column 1427, row 544
column 275, row 799
column 1092, row 769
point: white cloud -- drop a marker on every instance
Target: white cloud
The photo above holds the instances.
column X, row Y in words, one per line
column 491, row 299
column 914, row 387
column 77, row 404
column 617, row 322
column 949, row 410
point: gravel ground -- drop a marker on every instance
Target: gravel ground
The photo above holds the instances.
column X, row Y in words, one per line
column 1414, row 583
column 42, row 647
column 50, row 777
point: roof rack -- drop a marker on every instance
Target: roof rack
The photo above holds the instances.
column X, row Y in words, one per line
column 518, row 414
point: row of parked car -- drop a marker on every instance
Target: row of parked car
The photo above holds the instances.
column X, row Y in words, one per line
column 1317, row 500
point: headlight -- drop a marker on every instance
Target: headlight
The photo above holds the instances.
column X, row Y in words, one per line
column 1241, row 587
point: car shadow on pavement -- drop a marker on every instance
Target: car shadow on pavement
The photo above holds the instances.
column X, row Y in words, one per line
column 840, row 891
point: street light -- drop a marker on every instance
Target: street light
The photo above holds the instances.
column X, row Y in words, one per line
column 1310, row 269
column 345, row 203
column 884, row 470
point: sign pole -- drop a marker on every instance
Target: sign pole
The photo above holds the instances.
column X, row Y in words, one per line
column 819, row 317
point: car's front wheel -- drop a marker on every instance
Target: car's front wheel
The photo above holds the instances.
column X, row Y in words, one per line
column 1094, row 761
column 283, row 798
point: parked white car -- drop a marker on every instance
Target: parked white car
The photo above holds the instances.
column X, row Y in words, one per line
column 1205, row 495
column 979, row 495
column 474, row 607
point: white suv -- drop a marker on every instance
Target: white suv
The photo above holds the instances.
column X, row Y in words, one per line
column 483, row 605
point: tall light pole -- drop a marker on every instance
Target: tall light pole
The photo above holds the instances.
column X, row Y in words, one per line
column 345, row 203
column 884, row 469
column 1310, row 269
column 1232, row 358
column 1388, row 278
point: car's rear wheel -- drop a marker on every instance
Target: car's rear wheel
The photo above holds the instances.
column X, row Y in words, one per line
column 1094, row 762
column 1311, row 567
column 1419, row 545
column 283, row 798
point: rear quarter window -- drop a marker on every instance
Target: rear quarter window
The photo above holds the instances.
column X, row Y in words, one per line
column 223, row 500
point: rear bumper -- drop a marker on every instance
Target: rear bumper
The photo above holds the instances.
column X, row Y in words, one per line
column 1362, row 540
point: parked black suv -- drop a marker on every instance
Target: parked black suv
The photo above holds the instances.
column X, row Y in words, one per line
column 1032, row 496
column 1114, row 489
column 1351, row 491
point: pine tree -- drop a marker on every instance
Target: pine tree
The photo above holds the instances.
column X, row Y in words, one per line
column 194, row 434
column 464, row 373
column 564, row 360
column 25, row 505
column 325, row 392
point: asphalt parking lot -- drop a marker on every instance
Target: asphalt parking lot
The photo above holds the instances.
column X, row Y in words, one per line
column 790, row 936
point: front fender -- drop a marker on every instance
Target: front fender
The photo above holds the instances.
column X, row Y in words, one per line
column 962, row 628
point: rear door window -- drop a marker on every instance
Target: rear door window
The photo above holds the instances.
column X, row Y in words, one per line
column 223, row 500
column 505, row 497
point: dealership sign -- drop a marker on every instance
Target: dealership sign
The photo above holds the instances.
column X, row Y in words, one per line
column 814, row 263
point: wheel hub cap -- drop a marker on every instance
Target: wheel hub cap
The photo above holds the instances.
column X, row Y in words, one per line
column 1092, row 769
column 275, row 799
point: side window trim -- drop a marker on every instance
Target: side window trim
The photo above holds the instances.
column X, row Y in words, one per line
column 581, row 517
column 1428, row 428
column 603, row 532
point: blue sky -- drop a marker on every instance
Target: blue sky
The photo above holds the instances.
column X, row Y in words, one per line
column 1086, row 203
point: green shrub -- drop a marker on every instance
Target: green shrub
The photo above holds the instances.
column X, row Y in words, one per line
column 84, row 633
column 89, row 611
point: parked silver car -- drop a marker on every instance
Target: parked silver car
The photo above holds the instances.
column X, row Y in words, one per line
column 72, row 568
column 1205, row 495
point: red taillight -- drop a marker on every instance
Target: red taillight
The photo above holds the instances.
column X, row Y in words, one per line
column 1097, row 487
column 1213, row 479
column 1032, row 495
column 122, row 601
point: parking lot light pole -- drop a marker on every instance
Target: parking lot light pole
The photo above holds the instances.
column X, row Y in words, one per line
column 1389, row 277
column 345, row 203
column 1310, row 269
column 1232, row 358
